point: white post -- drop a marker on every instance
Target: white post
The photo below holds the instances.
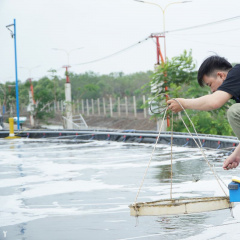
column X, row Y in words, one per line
column 134, row 106
column 73, row 107
column 31, row 108
column 92, row 107
column 126, row 105
column 87, row 107
column 144, row 109
column 82, row 106
column 104, row 107
column 78, row 106
column 119, row 107
column 98, row 103
column 111, row 110
column 68, row 99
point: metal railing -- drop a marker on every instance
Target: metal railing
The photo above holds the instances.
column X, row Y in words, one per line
column 78, row 122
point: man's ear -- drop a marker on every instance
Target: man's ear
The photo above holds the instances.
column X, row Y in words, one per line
column 222, row 75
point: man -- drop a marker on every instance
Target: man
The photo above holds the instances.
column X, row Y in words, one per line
column 224, row 82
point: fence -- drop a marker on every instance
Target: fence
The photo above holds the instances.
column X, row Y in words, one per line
column 109, row 107
column 112, row 107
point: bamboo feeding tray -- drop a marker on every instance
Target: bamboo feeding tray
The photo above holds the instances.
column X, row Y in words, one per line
column 179, row 206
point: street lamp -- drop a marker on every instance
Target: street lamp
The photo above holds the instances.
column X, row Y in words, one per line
column 159, row 54
column 68, row 56
column 68, row 94
column 13, row 35
column 31, row 95
column 163, row 11
column 67, row 52
column 30, row 70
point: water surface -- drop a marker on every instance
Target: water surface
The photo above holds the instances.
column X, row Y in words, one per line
column 67, row 190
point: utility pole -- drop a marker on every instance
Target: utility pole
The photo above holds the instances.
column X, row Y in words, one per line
column 160, row 57
column 68, row 99
column 13, row 35
column 159, row 53
column 32, row 103
column 68, row 94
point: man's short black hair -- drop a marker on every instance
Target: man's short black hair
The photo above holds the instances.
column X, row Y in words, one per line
column 210, row 65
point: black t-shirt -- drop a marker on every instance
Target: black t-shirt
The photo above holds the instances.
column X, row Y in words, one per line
column 231, row 84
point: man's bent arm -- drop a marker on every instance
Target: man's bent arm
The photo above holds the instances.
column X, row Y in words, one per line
column 204, row 103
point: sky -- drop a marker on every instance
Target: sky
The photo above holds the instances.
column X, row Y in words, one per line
column 92, row 29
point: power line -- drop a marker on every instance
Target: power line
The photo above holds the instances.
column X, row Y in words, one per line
column 205, row 25
column 196, row 41
column 176, row 30
column 108, row 56
column 207, row 33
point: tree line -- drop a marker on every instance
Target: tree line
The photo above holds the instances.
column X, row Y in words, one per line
column 88, row 85
column 178, row 74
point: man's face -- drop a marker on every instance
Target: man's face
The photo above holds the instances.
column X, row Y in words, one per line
column 214, row 81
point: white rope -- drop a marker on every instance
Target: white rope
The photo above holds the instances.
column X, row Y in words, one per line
column 151, row 156
column 199, row 145
column 171, row 156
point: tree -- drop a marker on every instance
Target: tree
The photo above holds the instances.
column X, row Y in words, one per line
column 43, row 96
column 179, row 75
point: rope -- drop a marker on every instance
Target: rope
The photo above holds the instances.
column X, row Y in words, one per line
column 151, row 157
column 171, row 156
column 199, row 145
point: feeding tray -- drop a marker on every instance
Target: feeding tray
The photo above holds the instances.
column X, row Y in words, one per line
column 179, row 206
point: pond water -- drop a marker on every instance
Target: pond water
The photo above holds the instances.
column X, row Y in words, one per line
column 67, row 190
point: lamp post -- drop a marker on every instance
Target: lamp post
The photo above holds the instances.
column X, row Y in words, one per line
column 163, row 12
column 30, row 70
column 31, row 95
column 157, row 36
column 13, row 35
column 68, row 95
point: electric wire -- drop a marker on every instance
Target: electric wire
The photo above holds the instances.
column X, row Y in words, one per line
column 205, row 24
column 171, row 31
column 208, row 43
column 206, row 33
column 113, row 54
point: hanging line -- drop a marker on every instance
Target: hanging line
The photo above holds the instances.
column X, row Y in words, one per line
column 151, row 156
column 171, row 156
column 199, row 145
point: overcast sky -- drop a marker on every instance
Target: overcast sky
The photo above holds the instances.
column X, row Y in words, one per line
column 103, row 27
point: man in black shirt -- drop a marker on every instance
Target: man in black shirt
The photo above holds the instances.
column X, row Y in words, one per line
column 224, row 82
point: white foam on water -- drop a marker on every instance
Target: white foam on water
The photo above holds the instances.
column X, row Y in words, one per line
column 221, row 232
column 60, row 187
column 90, row 168
column 15, row 212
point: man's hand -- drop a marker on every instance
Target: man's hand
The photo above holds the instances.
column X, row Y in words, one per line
column 231, row 162
column 174, row 106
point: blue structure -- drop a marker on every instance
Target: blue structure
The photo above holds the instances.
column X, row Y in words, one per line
column 16, row 73
column 234, row 191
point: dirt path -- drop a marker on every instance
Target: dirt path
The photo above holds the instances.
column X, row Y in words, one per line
column 120, row 123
